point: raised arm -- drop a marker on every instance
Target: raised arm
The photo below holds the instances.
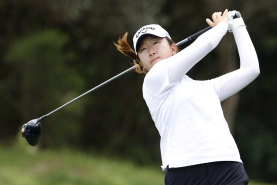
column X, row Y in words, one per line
column 183, row 61
column 232, row 82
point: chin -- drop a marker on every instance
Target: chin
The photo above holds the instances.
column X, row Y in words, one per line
column 155, row 62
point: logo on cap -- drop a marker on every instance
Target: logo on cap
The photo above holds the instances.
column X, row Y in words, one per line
column 144, row 30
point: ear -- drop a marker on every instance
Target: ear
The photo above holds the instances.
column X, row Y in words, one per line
column 174, row 49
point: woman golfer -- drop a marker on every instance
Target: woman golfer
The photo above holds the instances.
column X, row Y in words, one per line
column 196, row 144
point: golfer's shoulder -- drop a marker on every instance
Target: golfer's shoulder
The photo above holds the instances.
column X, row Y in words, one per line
column 158, row 73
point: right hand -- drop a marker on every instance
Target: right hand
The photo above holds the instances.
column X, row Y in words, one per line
column 233, row 15
column 234, row 20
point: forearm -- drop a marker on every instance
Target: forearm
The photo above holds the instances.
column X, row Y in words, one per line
column 182, row 62
column 247, row 53
column 233, row 82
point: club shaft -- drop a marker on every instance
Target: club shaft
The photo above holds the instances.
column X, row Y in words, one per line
column 188, row 39
column 89, row 91
column 193, row 37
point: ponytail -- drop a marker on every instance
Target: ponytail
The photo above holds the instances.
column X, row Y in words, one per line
column 124, row 48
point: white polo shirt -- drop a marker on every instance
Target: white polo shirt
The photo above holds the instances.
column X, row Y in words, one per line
column 188, row 113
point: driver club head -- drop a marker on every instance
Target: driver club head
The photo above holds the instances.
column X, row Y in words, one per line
column 31, row 131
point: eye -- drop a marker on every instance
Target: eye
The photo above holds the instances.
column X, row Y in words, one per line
column 142, row 49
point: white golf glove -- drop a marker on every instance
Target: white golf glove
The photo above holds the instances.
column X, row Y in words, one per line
column 234, row 20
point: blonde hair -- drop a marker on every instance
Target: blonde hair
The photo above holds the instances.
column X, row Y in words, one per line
column 123, row 47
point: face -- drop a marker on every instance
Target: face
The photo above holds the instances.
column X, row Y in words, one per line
column 154, row 49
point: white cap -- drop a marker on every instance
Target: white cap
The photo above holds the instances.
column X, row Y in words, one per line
column 151, row 29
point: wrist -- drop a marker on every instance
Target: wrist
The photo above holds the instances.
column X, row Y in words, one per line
column 235, row 23
column 223, row 24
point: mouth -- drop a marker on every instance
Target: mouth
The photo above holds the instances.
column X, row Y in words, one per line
column 155, row 60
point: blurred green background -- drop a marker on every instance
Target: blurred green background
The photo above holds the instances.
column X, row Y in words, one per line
column 52, row 51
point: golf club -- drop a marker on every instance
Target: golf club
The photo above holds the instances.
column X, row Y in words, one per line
column 31, row 131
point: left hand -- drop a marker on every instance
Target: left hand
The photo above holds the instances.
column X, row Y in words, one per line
column 217, row 17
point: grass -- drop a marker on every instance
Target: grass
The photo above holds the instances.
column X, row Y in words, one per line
column 28, row 166
column 49, row 167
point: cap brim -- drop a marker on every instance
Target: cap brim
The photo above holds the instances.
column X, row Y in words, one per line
column 143, row 36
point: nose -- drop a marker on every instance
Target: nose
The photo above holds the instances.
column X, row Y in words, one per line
column 152, row 51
